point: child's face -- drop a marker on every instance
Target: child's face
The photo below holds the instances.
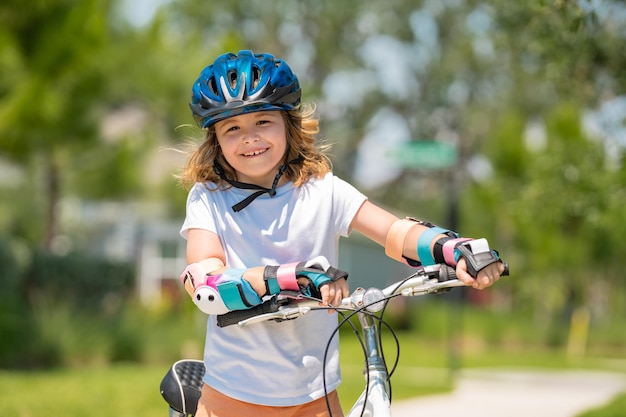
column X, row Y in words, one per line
column 254, row 144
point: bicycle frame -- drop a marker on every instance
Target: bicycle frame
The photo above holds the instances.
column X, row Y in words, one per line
column 375, row 399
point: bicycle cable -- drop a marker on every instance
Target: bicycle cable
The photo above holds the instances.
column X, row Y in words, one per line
column 346, row 318
column 363, row 348
column 380, row 324
column 395, row 337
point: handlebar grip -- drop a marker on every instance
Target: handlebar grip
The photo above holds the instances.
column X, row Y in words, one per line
column 447, row 273
column 235, row 316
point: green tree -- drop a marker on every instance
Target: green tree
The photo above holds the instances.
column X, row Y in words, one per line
column 46, row 107
column 554, row 201
column 66, row 65
column 473, row 73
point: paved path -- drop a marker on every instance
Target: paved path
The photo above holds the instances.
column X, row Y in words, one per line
column 518, row 393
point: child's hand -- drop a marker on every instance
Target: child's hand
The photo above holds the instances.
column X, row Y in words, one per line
column 334, row 292
column 486, row 277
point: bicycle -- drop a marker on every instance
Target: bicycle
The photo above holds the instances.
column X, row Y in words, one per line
column 182, row 384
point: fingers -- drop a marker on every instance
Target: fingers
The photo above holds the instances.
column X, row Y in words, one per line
column 462, row 274
column 333, row 293
column 486, row 277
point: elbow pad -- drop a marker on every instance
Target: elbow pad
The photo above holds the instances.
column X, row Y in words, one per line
column 209, row 300
column 229, row 291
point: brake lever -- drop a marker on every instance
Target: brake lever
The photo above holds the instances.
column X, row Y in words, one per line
column 285, row 313
column 446, row 286
column 431, row 286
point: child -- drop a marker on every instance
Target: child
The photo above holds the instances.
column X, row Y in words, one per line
column 264, row 205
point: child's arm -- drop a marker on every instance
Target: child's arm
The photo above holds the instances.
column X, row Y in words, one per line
column 404, row 239
column 225, row 288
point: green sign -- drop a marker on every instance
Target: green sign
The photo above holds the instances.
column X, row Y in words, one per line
column 425, row 154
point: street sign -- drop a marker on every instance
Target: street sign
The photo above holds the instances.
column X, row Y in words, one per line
column 425, row 154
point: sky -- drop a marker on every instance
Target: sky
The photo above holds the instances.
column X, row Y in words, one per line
column 141, row 12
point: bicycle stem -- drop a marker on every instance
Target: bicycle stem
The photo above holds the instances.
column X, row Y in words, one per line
column 375, row 363
column 375, row 400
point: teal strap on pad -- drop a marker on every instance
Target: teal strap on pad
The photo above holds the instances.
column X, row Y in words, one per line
column 423, row 244
column 272, row 286
column 236, row 292
column 318, row 278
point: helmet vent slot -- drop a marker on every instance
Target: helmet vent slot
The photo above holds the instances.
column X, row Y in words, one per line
column 232, row 78
column 256, row 76
column 212, row 84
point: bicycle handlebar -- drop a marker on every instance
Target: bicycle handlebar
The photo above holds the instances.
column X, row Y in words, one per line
column 289, row 305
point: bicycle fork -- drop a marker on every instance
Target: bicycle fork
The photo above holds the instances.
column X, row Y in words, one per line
column 374, row 401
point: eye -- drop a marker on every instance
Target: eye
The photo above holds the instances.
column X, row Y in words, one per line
column 266, row 118
column 230, row 128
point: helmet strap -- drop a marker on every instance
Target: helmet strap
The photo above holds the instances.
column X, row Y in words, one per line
column 219, row 170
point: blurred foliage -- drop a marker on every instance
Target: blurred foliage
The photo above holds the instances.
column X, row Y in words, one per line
column 89, row 98
column 70, row 279
column 48, row 308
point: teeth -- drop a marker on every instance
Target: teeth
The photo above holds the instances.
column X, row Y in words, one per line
column 254, row 153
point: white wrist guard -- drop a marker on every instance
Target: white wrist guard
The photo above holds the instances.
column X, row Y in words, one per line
column 219, row 294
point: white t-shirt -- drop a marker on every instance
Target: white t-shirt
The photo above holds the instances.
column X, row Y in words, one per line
column 277, row 364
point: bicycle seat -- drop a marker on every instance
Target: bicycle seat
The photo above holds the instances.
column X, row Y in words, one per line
column 182, row 384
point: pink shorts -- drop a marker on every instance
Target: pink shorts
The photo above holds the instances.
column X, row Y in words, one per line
column 215, row 404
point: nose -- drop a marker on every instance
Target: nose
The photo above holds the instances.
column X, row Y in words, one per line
column 250, row 135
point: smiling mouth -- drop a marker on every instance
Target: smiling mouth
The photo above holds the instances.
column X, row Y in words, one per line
column 256, row 152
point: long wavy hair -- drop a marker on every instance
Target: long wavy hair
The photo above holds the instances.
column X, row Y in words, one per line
column 302, row 128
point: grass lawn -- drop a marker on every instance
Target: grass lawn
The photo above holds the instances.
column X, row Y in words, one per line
column 133, row 390
column 616, row 408
column 121, row 390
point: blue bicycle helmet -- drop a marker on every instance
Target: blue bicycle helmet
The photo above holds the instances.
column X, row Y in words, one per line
column 244, row 83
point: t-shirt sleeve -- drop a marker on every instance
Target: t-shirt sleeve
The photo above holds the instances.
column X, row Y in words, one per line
column 347, row 200
column 199, row 211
